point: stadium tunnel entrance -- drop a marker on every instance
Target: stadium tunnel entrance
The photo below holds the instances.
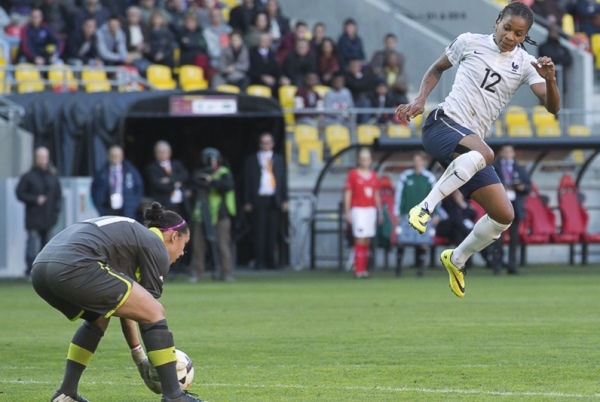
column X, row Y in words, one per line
column 543, row 157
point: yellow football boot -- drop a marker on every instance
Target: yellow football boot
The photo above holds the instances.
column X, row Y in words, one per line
column 457, row 275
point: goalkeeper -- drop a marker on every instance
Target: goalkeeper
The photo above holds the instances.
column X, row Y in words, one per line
column 115, row 266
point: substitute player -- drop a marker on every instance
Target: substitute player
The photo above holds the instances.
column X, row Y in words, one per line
column 490, row 70
column 362, row 206
column 115, row 266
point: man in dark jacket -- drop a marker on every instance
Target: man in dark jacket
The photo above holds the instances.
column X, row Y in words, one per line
column 264, row 69
column 265, row 197
column 81, row 47
column 299, row 62
column 39, row 43
column 117, row 188
column 516, row 180
column 39, row 189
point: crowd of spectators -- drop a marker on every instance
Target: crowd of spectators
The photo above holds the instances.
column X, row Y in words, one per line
column 252, row 43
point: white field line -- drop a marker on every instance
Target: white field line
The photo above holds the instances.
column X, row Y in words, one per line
column 353, row 388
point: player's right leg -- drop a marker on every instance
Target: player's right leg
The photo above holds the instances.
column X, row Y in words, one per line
column 141, row 307
column 461, row 151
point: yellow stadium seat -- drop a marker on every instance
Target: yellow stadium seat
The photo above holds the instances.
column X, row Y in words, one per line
column 578, row 156
column 62, row 79
column 595, row 45
column 225, row 13
column 305, row 132
column 337, row 138
column 286, row 100
column 515, row 115
column 160, row 76
column 28, row 79
column 232, row 89
column 398, row 131
column 95, row 80
column 517, row 130
column 498, row 128
column 579, row 131
column 307, row 147
column 321, row 90
column 549, row 130
column 366, row 133
column 4, row 83
column 191, row 78
column 288, row 151
column 259, row 90
column 231, row 3
column 568, row 25
column 541, row 116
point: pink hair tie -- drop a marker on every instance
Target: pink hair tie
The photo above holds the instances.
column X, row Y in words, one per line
column 183, row 223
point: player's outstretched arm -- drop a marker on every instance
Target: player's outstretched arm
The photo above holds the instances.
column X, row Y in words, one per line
column 429, row 81
column 548, row 92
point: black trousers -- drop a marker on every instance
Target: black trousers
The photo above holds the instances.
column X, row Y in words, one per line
column 265, row 223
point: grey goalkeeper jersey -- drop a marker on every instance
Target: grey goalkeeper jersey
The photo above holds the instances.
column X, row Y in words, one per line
column 122, row 243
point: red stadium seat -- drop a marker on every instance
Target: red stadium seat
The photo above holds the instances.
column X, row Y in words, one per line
column 574, row 215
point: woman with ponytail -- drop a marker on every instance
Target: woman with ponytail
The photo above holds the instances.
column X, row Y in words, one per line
column 490, row 69
column 114, row 266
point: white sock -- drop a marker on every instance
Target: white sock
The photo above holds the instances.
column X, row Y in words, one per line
column 456, row 174
column 485, row 231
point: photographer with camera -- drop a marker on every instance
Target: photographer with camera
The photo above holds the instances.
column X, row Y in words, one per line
column 516, row 181
column 213, row 208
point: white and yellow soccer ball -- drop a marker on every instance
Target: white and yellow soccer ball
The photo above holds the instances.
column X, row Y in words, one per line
column 185, row 371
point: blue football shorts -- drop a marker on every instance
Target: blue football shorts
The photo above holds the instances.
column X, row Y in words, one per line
column 440, row 137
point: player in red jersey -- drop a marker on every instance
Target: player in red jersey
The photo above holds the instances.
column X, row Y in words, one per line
column 363, row 209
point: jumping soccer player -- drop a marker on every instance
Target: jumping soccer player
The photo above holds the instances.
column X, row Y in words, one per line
column 490, row 70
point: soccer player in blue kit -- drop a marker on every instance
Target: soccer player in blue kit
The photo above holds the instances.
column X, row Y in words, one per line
column 490, row 69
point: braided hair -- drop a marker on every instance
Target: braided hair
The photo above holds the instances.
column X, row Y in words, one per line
column 156, row 216
column 520, row 10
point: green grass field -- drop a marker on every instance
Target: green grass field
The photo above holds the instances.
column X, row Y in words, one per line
column 323, row 336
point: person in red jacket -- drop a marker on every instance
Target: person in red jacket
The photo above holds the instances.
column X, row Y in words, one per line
column 363, row 209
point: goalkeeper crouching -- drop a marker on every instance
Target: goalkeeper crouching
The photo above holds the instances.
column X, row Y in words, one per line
column 114, row 266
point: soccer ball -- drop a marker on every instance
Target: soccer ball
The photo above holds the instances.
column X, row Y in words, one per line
column 185, row 371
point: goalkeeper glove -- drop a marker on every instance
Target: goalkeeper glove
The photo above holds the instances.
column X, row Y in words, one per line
column 143, row 366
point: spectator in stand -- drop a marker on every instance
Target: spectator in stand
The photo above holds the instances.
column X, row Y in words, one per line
column 264, row 69
column 288, row 42
column 350, row 45
column 147, row 9
column 241, row 17
column 117, row 188
column 56, row 14
column 393, row 73
column 205, row 12
column 177, row 10
column 279, row 25
column 588, row 14
column 560, row 54
column 91, row 9
column 82, row 46
column 318, row 35
column 234, row 64
column 308, row 98
column 550, row 10
column 111, row 42
column 40, row 191
column 381, row 56
column 135, row 36
column 327, row 61
column 338, row 98
column 216, row 35
column 160, row 41
column 39, row 43
column 299, row 62
column 360, row 83
column 381, row 98
column 192, row 43
column 259, row 26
